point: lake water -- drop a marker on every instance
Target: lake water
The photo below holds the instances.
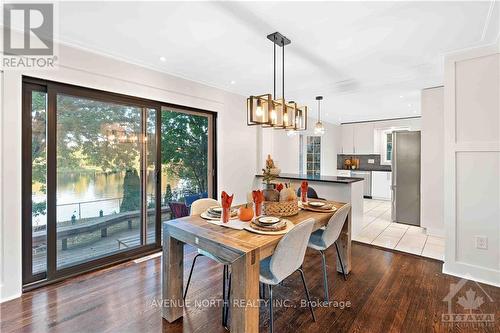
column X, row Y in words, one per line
column 84, row 194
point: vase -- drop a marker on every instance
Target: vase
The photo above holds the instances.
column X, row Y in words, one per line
column 270, row 193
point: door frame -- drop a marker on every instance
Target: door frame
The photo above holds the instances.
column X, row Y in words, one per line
column 53, row 274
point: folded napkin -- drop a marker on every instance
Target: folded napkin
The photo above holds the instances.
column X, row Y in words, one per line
column 303, row 191
column 226, row 206
column 258, row 198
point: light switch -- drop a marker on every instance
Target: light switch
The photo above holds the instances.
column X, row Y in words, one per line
column 371, row 161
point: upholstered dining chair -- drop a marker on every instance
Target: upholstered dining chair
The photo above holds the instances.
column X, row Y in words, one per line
column 287, row 259
column 311, row 193
column 322, row 239
column 198, row 207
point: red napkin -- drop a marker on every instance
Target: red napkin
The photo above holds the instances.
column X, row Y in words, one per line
column 258, row 198
column 303, row 191
column 226, row 206
column 279, row 187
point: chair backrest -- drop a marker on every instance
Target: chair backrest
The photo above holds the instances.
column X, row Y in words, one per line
column 201, row 205
column 289, row 253
column 334, row 226
column 189, row 199
column 311, row 193
column 178, row 209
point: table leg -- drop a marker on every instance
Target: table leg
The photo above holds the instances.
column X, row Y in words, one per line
column 245, row 293
column 345, row 245
column 172, row 278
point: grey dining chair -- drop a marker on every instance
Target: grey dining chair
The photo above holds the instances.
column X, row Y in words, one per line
column 322, row 239
column 287, row 259
column 198, row 207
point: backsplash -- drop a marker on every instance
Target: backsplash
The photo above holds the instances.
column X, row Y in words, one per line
column 363, row 162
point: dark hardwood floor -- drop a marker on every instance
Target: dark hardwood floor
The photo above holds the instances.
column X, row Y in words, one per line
column 387, row 292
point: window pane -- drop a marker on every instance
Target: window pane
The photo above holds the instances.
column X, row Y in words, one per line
column 98, row 178
column 39, row 180
column 184, row 160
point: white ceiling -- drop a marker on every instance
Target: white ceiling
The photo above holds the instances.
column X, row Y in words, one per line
column 368, row 59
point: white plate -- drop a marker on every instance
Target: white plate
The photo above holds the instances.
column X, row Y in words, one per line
column 216, row 209
column 316, row 203
column 269, row 219
column 289, row 226
column 211, row 218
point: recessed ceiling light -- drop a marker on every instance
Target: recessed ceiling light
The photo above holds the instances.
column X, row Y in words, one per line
column 400, row 96
column 163, row 59
column 233, row 82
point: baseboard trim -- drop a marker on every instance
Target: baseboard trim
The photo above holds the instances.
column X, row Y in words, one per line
column 479, row 275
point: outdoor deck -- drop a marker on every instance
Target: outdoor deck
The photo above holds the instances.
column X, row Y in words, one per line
column 95, row 238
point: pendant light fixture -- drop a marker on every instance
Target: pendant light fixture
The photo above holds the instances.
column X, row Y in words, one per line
column 319, row 129
column 268, row 110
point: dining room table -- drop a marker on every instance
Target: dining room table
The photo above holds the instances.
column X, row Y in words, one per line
column 243, row 250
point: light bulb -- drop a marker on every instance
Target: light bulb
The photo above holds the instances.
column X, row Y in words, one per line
column 285, row 118
column 319, row 129
column 273, row 115
column 258, row 111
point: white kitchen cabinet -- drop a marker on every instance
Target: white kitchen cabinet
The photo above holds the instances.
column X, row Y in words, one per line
column 381, row 185
column 364, row 138
column 348, row 139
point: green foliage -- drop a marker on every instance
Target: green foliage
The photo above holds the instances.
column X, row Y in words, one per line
column 184, row 147
column 131, row 191
column 168, row 194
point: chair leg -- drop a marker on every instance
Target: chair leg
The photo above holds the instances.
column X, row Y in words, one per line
column 325, row 276
column 190, row 273
column 307, row 293
column 340, row 259
column 271, row 320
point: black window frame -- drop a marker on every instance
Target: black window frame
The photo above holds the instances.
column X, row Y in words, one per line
column 52, row 88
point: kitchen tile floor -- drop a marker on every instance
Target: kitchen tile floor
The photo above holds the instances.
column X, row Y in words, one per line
column 380, row 231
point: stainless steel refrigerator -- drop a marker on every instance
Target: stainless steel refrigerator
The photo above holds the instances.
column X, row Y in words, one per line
column 406, row 177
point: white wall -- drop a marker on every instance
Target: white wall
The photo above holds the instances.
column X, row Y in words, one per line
column 432, row 151
column 236, row 142
column 285, row 149
column 413, row 124
column 472, row 163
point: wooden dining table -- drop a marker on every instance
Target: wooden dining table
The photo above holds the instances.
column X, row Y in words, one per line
column 242, row 249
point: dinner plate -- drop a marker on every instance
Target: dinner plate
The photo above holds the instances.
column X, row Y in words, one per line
column 289, row 226
column 316, row 203
column 269, row 219
column 216, row 209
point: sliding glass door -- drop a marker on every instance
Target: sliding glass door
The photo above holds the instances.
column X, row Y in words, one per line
column 100, row 173
column 91, row 179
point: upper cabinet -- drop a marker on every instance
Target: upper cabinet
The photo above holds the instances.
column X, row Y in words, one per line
column 363, row 138
column 348, row 139
column 358, row 138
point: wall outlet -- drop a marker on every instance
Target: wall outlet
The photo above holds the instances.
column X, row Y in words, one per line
column 482, row 242
column 371, row 161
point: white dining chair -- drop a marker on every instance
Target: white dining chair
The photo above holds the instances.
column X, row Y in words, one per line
column 198, row 207
column 322, row 239
column 287, row 259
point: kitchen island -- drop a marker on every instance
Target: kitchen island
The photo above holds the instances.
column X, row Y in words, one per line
column 344, row 189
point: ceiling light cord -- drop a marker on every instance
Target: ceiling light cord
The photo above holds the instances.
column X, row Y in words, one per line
column 274, row 72
column 283, row 70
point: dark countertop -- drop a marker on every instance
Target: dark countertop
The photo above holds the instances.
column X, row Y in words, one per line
column 360, row 169
column 326, row 179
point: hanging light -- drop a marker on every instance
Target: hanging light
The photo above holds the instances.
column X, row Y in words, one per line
column 319, row 129
column 268, row 110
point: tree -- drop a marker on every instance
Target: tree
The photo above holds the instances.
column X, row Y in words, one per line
column 184, row 147
column 131, row 191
